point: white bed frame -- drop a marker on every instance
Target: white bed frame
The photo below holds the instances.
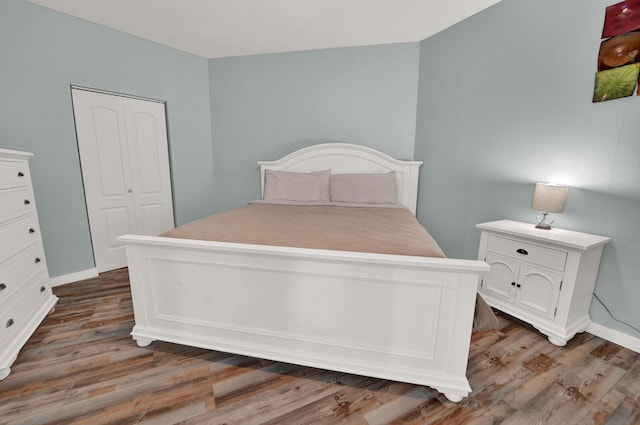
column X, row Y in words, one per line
column 394, row 317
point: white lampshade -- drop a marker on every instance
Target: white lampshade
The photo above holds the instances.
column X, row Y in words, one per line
column 549, row 197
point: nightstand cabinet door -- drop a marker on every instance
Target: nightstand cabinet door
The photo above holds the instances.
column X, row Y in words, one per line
column 538, row 290
column 500, row 282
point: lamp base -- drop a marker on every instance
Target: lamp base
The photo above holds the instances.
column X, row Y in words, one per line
column 543, row 226
column 542, row 221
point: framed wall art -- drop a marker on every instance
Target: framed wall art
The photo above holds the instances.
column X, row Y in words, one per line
column 619, row 54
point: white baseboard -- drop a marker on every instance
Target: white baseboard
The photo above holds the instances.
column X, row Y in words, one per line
column 620, row 338
column 73, row 277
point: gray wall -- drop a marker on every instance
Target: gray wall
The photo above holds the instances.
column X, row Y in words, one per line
column 504, row 102
column 266, row 106
column 43, row 53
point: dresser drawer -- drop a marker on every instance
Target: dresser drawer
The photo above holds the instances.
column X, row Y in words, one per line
column 17, row 235
column 18, row 314
column 13, row 174
column 18, row 271
column 15, row 203
column 546, row 257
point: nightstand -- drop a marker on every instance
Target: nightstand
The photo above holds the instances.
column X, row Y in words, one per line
column 543, row 277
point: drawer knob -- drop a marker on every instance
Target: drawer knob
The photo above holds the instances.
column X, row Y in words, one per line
column 518, row 286
column 20, row 174
column 3, row 286
column 27, row 202
column 522, row 251
column 42, row 289
column 513, row 284
column 37, row 260
column 32, row 230
column 9, row 323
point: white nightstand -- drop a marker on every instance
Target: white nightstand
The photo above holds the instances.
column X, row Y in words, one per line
column 544, row 277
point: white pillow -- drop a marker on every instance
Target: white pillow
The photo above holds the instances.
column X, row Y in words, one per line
column 290, row 186
column 378, row 188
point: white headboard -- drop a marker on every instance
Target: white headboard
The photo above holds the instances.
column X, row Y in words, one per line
column 350, row 158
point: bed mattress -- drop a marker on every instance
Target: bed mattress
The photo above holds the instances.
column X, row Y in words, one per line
column 374, row 229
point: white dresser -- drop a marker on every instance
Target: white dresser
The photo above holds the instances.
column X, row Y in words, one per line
column 25, row 293
column 544, row 277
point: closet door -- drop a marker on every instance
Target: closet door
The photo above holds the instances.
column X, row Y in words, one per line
column 124, row 157
column 149, row 160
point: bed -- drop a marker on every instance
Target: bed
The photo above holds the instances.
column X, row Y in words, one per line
column 400, row 317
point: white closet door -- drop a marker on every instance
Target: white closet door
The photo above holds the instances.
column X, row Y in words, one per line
column 125, row 167
column 151, row 180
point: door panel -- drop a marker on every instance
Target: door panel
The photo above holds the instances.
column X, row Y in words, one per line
column 125, row 166
column 117, row 222
column 152, row 219
column 498, row 282
column 539, row 290
column 145, row 142
column 106, row 152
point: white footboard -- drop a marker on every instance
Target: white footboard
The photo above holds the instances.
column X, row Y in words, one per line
column 393, row 317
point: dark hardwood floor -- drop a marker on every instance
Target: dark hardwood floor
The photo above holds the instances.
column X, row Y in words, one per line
column 82, row 367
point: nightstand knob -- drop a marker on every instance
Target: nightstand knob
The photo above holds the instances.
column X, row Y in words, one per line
column 20, row 174
column 27, row 202
column 10, row 323
column 518, row 286
column 3, row 286
column 513, row 284
column 522, row 251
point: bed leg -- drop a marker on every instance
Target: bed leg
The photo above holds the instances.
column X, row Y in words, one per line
column 4, row 373
column 453, row 397
column 143, row 342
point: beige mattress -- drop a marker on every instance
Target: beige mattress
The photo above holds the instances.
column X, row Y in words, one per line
column 384, row 230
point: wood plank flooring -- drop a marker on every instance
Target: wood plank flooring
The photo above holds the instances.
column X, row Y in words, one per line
column 82, row 367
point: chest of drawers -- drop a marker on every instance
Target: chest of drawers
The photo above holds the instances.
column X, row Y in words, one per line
column 544, row 277
column 25, row 293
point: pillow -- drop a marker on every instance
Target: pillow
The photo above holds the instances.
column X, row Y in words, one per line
column 289, row 186
column 377, row 188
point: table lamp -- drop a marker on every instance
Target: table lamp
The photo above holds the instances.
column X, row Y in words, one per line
column 548, row 198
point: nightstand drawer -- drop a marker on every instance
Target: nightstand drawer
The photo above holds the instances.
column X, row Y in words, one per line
column 13, row 174
column 523, row 251
column 15, row 316
column 18, row 235
column 17, row 271
column 15, row 203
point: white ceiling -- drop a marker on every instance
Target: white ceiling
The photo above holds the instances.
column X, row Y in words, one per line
column 222, row 28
